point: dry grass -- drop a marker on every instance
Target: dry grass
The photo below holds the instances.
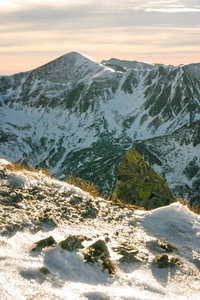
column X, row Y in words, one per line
column 14, row 167
column 45, row 171
column 90, row 188
column 106, row 199
column 127, row 205
column 193, row 208
column 85, row 185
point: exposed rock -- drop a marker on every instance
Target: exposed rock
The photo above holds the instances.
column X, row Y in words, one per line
column 90, row 213
column 128, row 257
column 75, row 200
column 158, row 247
column 12, row 227
column 50, row 221
column 45, row 271
column 41, row 196
column 44, row 243
column 71, row 243
column 161, row 261
column 107, row 239
column 108, row 265
column 83, row 238
column 165, row 154
column 138, row 184
column 125, row 249
column 4, row 193
column 167, row 247
column 128, row 254
column 99, row 251
column 175, row 261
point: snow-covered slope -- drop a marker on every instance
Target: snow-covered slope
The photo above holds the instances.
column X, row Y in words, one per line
column 79, row 117
column 177, row 158
column 156, row 255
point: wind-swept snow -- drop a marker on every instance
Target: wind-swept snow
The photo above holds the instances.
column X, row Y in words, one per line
column 34, row 207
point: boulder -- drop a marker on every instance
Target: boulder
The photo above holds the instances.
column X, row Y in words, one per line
column 128, row 254
column 167, row 247
column 99, row 252
column 71, row 243
column 89, row 213
column 161, row 261
column 138, row 184
column 44, row 271
column 96, row 251
column 48, row 242
column 129, row 258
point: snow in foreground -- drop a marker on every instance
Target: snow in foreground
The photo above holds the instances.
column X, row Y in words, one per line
column 34, row 207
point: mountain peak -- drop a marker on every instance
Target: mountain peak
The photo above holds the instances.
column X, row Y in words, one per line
column 78, row 55
column 69, row 60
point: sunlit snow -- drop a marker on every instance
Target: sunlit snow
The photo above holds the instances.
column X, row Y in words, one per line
column 69, row 276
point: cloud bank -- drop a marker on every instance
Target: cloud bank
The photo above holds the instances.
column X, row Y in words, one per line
column 33, row 32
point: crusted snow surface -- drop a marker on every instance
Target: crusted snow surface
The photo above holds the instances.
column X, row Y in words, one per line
column 34, row 206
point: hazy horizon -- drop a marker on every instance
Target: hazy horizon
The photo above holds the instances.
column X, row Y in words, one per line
column 93, row 58
column 162, row 31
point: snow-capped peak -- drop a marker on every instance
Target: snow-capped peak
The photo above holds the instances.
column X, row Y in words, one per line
column 74, row 103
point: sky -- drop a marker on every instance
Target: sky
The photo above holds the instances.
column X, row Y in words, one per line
column 34, row 32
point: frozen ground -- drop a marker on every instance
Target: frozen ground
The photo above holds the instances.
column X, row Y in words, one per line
column 34, row 207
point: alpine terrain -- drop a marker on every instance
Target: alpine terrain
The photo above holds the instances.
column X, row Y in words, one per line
column 79, row 117
column 59, row 242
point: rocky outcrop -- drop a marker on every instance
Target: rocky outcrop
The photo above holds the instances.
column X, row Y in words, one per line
column 98, row 251
column 44, row 243
column 163, row 261
column 71, row 243
column 138, row 184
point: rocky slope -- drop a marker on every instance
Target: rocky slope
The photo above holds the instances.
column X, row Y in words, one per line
column 79, row 117
column 56, row 240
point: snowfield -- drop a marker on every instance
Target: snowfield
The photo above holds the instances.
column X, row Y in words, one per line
column 34, row 207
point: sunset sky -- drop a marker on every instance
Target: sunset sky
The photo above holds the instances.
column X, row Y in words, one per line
column 34, row 32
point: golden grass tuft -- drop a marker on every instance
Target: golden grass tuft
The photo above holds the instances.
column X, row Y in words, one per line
column 85, row 185
column 45, row 171
column 14, row 167
column 193, row 208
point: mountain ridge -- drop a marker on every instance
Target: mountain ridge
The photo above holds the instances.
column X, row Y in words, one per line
column 74, row 112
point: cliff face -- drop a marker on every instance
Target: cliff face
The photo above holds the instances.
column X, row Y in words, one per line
column 138, row 184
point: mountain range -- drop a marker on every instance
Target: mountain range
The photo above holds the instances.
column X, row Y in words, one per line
column 79, row 117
